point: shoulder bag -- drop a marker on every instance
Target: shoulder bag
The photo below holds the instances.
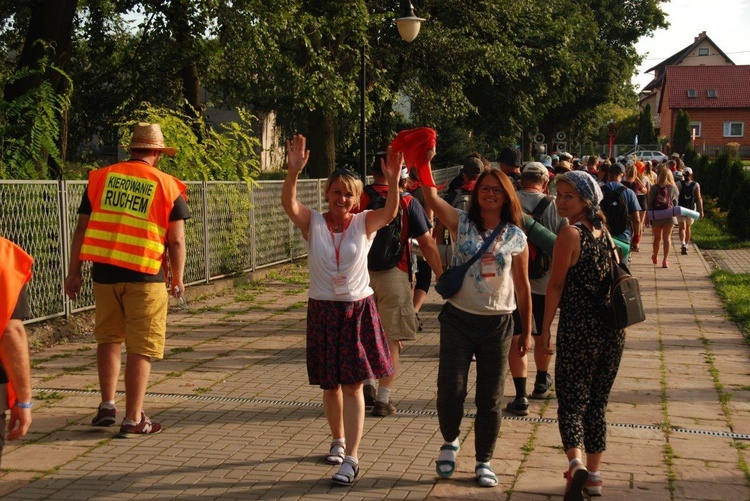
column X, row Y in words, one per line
column 451, row 280
column 625, row 307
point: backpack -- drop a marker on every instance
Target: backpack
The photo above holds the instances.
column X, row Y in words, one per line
column 539, row 261
column 615, row 207
column 387, row 247
column 687, row 192
column 462, row 200
column 663, row 200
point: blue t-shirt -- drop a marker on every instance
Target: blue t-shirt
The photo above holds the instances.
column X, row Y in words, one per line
column 633, row 206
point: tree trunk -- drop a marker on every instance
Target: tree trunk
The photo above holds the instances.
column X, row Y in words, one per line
column 321, row 141
column 179, row 24
column 51, row 22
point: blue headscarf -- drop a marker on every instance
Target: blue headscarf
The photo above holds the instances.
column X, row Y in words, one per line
column 588, row 189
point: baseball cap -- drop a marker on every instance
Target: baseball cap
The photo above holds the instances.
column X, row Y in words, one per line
column 510, row 156
column 546, row 160
column 566, row 156
column 617, row 168
column 675, row 155
column 535, row 168
column 473, row 167
column 688, row 171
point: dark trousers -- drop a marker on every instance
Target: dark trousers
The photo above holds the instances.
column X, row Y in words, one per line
column 488, row 338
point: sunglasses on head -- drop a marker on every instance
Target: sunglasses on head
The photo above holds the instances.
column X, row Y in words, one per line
column 346, row 172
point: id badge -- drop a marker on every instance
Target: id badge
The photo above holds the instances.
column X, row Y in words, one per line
column 489, row 266
column 340, row 285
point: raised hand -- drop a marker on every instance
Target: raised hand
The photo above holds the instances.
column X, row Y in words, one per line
column 296, row 153
column 391, row 165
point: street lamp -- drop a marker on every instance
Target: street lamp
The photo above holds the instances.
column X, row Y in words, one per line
column 408, row 27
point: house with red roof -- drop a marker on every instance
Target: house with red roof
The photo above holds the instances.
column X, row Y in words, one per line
column 717, row 98
column 702, row 80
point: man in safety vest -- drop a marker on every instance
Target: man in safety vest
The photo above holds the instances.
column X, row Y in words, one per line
column 128, row 213
column 15, row 369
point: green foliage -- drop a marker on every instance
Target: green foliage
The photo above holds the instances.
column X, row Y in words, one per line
column 646, row 133
column 738, row 219
column 227, row 154
column 681, row 134
column 734, row 291
column 30, row 126
column 691, row 158
column 730, row 179
column 712, row 174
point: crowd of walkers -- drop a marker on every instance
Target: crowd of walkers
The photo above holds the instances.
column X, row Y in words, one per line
column 512, row 289
column 531, row 240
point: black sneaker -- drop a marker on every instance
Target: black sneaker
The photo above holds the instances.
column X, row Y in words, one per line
column 541, row 390
column 684, row 250
column 419, row 323
column 370, row 394
column 104, row 417
column 519, row 406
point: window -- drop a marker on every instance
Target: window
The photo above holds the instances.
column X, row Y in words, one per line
column 703, row 51
column 692, row 93
column 711, row 93
column 695, row 128
column 734, row 129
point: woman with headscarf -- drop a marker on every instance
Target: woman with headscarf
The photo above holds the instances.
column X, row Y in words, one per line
column 345, row 340
column 478, row 320
column 588, row 353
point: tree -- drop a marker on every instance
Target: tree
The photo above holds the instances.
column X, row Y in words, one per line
column 646, row 133
column 681, row 133
column 47, row 45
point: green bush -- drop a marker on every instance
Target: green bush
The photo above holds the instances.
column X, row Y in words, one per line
column 711, row 179
column 738, row 219
column 731, row 179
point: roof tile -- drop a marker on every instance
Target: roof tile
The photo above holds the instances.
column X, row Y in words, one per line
column 731, row 83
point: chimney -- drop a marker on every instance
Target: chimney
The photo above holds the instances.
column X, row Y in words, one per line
column 702, row 34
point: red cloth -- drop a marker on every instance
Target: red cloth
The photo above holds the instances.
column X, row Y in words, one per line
column 414, row 143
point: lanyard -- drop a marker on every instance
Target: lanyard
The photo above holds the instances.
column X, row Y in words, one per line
column 337, row 248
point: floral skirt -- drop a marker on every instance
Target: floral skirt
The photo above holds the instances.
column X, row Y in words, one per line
column 345, row 343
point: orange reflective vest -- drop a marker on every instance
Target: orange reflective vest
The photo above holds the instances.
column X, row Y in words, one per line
column 15, row 272
column 130, row 207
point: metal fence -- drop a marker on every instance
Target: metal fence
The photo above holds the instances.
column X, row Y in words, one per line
column 235, row 227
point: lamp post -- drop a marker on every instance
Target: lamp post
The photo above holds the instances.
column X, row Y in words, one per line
column 408, row 27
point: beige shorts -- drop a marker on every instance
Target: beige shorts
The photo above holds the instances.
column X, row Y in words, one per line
column 685, row 219
column 395, row 306
column 133, row 313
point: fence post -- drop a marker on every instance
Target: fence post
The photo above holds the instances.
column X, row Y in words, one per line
column 62, row 191
column 253, row 244
column 207, row 257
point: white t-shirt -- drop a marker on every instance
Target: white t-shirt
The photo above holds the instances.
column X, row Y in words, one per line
column 486, row 295
column 321, row 259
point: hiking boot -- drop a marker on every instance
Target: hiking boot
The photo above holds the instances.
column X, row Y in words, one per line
column 541, row 390
column 519, row 406
column 382, row 409
column 683, row 251
column 104, row 417
column 370, row 394
column 143, row 428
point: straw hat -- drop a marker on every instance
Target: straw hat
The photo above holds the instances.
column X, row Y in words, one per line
column 149, row 137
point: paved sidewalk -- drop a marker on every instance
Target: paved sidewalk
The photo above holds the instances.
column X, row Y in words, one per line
column 241, row 421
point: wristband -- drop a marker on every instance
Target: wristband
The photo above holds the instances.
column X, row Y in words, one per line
column 25, row 405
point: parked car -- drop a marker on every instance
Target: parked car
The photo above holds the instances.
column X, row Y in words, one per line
column 647, row 155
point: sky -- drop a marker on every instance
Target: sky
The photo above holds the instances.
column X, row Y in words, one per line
column 726, row 22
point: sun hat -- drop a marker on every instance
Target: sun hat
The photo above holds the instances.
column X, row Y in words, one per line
column 149, row 137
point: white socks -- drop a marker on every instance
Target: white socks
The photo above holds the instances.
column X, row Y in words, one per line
column 384, row 394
